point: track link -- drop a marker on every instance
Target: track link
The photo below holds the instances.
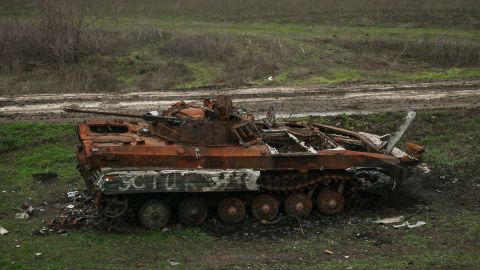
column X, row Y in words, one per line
column 297, row 182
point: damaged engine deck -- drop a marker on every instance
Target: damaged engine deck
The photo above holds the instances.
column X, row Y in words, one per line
column 196, row 159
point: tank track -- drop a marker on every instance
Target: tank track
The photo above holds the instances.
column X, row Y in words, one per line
column 279, row 184
column 299, row 182
column 312, row 184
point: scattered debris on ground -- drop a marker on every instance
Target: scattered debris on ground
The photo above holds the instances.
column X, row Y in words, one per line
column 79, row 212
column 26, row 211
column 328, row 251
column 399, row 219
column 409, row 225
column 3, row 231
column 423, row 168
column 22, row 216
column 26, row 208
column 44, row 231
column 173, row 262
column 390, row 220
column 72, row 194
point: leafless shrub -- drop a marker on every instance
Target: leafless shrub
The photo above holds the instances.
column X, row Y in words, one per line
column 62, row 24
column 249, row 66
column 86, row 78
column 441, row 51
column 23, row 46
column 54, row 38
column 165, row 75
column 63, row 44
column 359, row 12
column 464, row 13
column 260, row 58
column 245, row 58
column 108, row 42
column 202, row 46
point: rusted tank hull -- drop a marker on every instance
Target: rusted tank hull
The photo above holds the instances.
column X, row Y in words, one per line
column 167, row 157
column 193, row 158
column 206, row 173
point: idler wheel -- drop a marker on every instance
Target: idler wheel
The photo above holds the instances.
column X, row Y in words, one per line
column 265, row 207
column 298, row 204
column 154, row 214
column 330, row 202
column 231, row 210
column 193, row 211
column 114, row 206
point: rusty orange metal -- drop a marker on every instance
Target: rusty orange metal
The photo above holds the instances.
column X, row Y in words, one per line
column 213, row 147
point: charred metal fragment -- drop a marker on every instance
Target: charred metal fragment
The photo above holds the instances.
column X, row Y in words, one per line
column 375, row 180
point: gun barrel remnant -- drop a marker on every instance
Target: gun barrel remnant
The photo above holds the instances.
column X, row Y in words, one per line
column 146, row 117
column 72, row 110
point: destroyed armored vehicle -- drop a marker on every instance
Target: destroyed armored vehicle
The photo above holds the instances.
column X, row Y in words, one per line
column 193, row 160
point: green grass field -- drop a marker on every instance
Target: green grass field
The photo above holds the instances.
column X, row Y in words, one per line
column 447, row 199
column 52, row 46
column 146, row 45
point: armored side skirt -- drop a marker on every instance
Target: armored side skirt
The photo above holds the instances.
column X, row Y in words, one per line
column 125, row 181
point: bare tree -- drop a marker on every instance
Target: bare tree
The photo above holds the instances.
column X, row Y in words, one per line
column 60, row 28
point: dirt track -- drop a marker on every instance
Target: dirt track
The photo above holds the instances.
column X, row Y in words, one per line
column 323, row 100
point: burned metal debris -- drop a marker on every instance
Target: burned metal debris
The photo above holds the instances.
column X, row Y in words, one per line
column 78, row 213
column 22, row 216
column 196, row 158
column 399, row 222
column 26, row 210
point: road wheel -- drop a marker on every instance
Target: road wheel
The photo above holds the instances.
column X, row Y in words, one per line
column 330, row 202
column 231, row 210
column 265, row 207
column 193, row 211
column 154, row 214
column 112, row 206
column 298, row 204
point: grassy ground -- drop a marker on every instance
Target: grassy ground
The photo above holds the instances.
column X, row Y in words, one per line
column 447, row 199
column 185, row 45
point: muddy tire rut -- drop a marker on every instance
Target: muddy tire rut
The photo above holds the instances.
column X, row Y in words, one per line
column 288, row 101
